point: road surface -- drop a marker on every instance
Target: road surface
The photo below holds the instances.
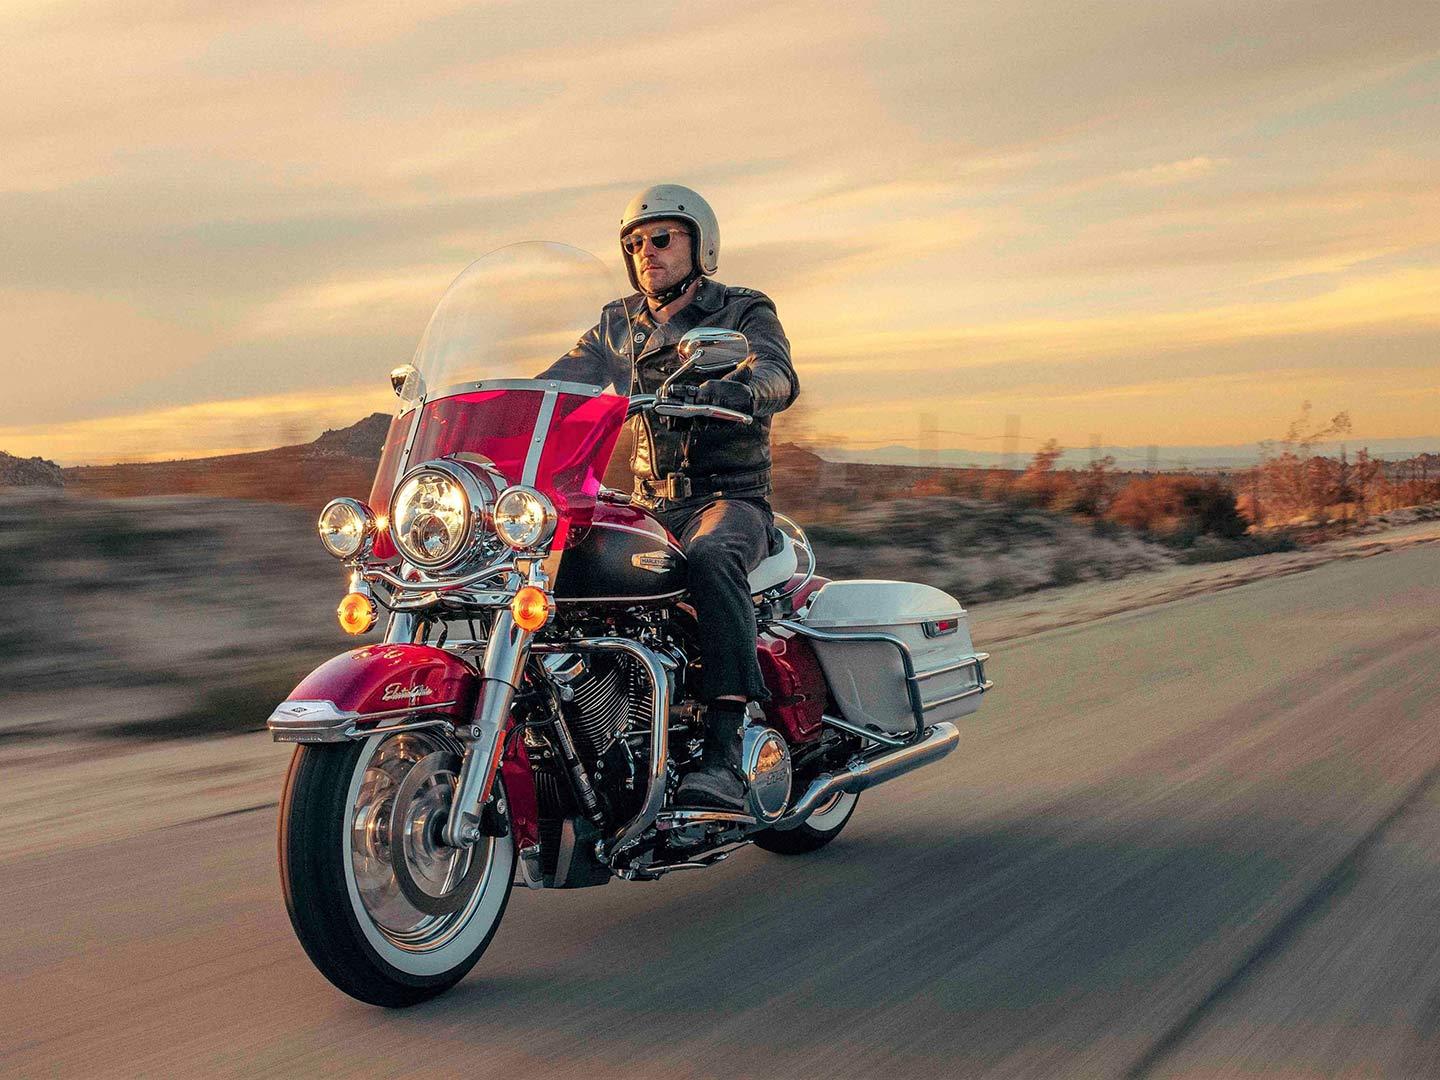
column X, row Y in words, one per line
column 1201, row 839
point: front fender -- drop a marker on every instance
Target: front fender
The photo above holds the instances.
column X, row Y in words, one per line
column 385, row 686
column 376, row 686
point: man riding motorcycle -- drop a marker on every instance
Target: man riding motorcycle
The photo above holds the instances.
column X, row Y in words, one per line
column 707, row 482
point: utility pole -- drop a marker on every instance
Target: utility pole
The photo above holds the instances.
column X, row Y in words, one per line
column 1011, row 442
column 1094, row 448
column 1152, row 458
column 929, row 441
column 1362, row 480
column 1344, row 484
column 1255, row 494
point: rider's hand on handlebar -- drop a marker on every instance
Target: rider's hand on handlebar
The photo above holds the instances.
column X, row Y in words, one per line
column 680, row 395
column 726, row 394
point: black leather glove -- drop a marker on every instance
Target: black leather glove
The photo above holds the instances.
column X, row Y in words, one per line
column 684, row 394
column 727, row 394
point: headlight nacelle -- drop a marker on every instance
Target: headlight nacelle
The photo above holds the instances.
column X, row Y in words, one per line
column 524, row 519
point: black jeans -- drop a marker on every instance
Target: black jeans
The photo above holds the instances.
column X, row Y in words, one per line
column 724, row 540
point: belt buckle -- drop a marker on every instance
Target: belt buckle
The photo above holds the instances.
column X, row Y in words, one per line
column 676, row 486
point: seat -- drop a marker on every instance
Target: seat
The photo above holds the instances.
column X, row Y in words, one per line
column 777, row 568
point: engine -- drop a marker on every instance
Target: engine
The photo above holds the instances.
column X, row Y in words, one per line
column 606, row 703
column 604, row 695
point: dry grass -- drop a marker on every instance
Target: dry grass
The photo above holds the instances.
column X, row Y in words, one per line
column 157, row 616
column 977, row 550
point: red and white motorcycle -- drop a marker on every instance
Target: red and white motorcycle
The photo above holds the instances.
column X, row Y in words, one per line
column 531, row 708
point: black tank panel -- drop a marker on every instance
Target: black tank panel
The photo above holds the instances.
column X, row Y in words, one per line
column 602, row 567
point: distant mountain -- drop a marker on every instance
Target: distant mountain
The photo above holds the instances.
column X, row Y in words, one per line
column 29, row 472
column 365, row 439
column 1126, row 457
column 340, row 462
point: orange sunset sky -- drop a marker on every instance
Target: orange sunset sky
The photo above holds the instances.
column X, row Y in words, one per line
column 1168, row 223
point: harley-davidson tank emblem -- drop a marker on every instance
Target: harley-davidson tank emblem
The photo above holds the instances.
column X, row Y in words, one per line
column 657, row 562
column 396, row 692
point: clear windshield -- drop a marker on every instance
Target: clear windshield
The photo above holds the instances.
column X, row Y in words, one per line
column 506, row 319
column 509, row 315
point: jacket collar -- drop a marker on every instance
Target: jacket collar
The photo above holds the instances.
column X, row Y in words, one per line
column 710, row 297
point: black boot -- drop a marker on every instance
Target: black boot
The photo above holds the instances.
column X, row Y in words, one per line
column 717, row 783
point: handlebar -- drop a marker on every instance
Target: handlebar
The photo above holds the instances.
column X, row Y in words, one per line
column 643, row 402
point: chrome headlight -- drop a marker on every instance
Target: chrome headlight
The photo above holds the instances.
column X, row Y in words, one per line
column 436, row 514
column 524, row 518
column 345, row 525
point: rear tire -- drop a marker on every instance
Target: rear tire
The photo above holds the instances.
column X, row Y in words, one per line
column 355, row 917
column 818, row 830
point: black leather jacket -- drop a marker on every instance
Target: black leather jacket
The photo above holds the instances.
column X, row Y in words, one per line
column 630, row 351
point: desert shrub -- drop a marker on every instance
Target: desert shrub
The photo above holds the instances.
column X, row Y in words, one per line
column 1064, row 571
column 960, row 588
column 1000, row 588
column 1040, row 484
column 1090, row 493
column 836, row 535
column 1207, row 549
column 1178, row 509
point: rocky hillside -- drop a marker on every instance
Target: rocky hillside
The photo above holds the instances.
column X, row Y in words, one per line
column 29, row 472
column 362, row 440
column 339, row 462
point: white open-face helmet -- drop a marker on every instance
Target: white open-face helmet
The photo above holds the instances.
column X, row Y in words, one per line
column 673, row 201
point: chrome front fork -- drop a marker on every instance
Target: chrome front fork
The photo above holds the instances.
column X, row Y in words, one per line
column 505, row 656
column 401, row 628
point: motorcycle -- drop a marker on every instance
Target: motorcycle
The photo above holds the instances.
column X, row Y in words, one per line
column 531, row 708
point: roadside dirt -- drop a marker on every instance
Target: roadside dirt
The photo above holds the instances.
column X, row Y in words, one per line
column 1011, row 620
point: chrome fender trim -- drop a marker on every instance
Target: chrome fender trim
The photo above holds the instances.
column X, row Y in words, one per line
column 875, row 768
column 325, row 722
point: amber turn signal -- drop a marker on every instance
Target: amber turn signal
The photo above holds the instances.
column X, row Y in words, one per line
column 531, row 608
column 356, row 613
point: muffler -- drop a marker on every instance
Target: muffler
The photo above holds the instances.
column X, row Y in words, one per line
column 874, row 769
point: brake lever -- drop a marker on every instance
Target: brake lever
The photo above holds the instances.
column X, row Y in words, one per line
column 703, row 412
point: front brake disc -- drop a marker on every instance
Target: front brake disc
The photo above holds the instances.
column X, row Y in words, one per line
column 435, row 878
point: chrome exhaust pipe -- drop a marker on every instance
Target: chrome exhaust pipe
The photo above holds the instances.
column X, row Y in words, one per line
column 866, row 772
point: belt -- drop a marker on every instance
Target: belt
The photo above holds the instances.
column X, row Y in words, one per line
column 679, row 486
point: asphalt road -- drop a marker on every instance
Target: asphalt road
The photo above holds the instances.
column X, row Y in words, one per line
column 1201, row 839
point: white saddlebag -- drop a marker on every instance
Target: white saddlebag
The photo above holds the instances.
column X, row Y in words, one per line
column 867, row 677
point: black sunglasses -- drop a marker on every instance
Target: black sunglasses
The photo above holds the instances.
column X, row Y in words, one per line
column 633, row 242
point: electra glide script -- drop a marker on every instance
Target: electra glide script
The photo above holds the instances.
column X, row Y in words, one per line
column 531, row 708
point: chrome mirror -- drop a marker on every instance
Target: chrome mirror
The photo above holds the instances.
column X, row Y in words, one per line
column 708, row 349
column 400, row 376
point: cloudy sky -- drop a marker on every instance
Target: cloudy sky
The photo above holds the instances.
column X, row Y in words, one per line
column 1160, row 223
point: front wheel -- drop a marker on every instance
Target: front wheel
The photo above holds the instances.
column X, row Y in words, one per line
column 818, row 829
column 387, row 912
